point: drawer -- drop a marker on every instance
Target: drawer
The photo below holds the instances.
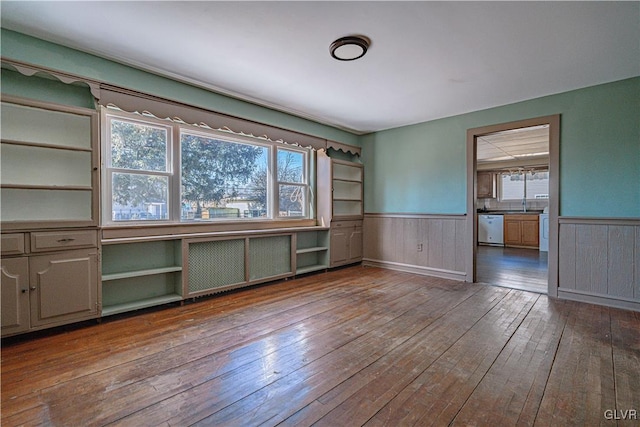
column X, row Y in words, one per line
column 13, row 244
column 346, row 224
column 57, row 240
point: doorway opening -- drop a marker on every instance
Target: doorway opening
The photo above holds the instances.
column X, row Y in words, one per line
column 512, row 204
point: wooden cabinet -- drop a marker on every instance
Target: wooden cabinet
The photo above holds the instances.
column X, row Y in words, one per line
column 521, row 231
column 51, row 287
column 15, row 295
column 340, row 201
column 64, row 287
column 49, row 188
column 346, row 242
column 486, row 185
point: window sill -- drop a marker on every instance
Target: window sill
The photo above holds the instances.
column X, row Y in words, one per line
column 133, row 230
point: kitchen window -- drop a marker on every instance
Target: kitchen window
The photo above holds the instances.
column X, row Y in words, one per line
column 519, row 185
column 158, row 170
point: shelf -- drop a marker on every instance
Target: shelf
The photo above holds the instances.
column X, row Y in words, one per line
column 310, row 268
column 354, row 181
column 140, row 273
column 137, row 305
column 313, row 249
column 46, row 187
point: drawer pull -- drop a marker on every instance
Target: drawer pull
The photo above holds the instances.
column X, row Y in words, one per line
column 66, row 239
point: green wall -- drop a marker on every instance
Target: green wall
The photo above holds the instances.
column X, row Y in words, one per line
column 422, row 168
column 46, row 89
column 34, row 51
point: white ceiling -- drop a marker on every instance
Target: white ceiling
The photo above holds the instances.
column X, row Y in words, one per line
column 427, row 60
column 524, row 144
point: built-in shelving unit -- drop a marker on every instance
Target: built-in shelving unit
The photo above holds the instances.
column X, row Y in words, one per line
column 312, row 251
column 347, row 189
column 49, row 165
column 140, row 275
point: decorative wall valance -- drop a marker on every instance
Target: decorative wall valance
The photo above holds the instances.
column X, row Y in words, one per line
column 28, row 70
column 132, row 101
column 345, row 148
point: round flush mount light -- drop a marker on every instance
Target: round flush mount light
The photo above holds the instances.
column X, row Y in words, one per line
column 349, row 48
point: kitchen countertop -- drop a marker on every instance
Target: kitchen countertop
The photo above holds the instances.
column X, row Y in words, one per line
column 509, row 212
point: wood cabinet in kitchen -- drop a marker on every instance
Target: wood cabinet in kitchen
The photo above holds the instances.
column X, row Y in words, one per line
column 486, row 185
column 521, row 230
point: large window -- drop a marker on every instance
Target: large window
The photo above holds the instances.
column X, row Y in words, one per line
column 163, row 171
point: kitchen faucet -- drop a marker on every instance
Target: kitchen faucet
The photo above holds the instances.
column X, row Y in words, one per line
column 524, row 204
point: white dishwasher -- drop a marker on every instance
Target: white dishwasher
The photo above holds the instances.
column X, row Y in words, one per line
column 491, row 229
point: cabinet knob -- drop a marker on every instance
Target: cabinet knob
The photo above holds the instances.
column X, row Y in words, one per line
column 33, row 288
column 24, row 291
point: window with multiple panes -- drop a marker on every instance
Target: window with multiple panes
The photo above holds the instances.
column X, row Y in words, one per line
column 166, row 171
column 524, row 184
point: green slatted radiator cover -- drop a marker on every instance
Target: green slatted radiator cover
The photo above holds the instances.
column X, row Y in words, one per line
column 215, row 264
column 269, row 256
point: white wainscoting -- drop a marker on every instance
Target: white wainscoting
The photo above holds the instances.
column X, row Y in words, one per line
column 392, row 241
column 600, row 261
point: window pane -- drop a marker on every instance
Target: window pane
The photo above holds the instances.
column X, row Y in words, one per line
column 290, row 166
column 139, row 197
column 292, row 199
column 222, row 179
column 538, row 185
column 513, row 186
column 138, row 147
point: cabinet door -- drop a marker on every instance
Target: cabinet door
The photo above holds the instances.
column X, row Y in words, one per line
column 339, row 246
column 15, row 295
column 66, row 287
column 512, row 232
column 355, row 245
column 530, row 233
column 485, row 185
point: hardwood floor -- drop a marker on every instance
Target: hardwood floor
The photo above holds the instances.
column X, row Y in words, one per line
column 355, row 346
column 525, row 269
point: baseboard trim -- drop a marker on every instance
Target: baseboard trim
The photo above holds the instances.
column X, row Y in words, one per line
column 416, row 269
column 608, row 301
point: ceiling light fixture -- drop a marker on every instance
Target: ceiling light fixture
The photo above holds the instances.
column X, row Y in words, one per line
column 349, row 48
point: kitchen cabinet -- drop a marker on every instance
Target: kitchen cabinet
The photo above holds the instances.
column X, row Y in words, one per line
column 521, row 230
column 486, row 185
column 346, row 242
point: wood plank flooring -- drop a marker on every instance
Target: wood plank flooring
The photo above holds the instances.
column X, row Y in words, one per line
column 517, row 268
column 354, row 346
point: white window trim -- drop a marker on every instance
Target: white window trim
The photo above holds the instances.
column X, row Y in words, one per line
column 174, row 132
